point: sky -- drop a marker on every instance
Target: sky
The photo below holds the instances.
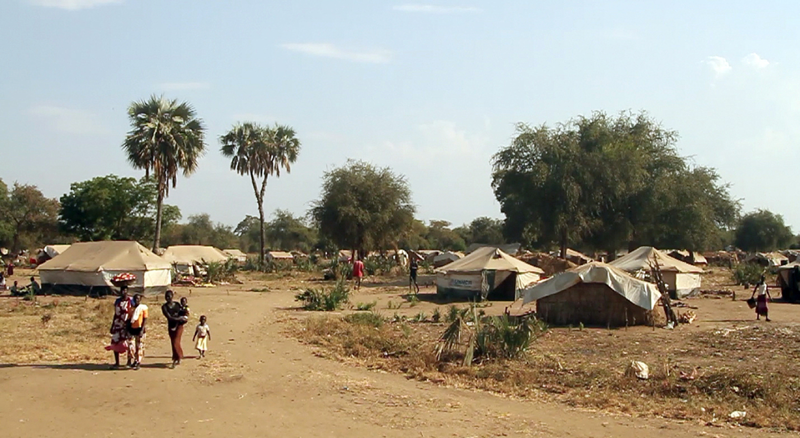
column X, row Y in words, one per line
column 430, row 89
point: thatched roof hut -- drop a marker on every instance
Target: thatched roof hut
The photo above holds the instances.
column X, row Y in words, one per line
column 594, row 294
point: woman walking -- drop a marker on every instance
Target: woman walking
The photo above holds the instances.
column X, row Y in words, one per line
column 172, row 311
column 136, row 329
column 119, row 329
column 761, row 292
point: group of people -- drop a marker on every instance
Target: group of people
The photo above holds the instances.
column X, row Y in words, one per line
column 128, row 328
column 359, row 269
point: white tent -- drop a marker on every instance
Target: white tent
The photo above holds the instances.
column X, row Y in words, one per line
column 236, row 254
column 638, row 292
column 185, row 257
column 486, row 273
column 682, row 279
column 594, row 294
column 53, row 250
column 94, row 264
column 447, row 257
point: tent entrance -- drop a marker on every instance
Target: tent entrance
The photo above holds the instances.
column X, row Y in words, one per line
column 505, row 289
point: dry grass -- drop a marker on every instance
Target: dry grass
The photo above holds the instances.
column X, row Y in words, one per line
column 63, row 329
column 705, row 377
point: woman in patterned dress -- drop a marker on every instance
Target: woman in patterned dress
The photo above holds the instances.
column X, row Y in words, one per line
column 119, row 329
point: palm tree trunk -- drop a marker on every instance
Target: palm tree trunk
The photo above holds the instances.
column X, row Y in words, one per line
column 564, row 238
column 260, row 201
column 159, row 211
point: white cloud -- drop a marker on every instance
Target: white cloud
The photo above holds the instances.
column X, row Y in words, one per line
column 434, row 141
column 328, row 50
column 432, row 9
column 719, row 64
column 755, row 61
column 73, row 5
column 179, row 86
column 69, row 120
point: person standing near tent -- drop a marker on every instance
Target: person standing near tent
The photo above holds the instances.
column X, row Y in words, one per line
column 136, row 329
column 761, row 292
column 119, row 326
column 172, row 311
column 358, row 272
column 412, row 274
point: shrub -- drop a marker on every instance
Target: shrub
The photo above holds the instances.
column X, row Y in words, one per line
column 747, row 273
column 366, row 306
column 437, row 316
column 222, row 271
column 371, row 318
column 325, row 300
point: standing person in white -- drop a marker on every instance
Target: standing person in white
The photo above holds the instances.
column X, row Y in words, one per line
column 202, row 334
column 761, row 292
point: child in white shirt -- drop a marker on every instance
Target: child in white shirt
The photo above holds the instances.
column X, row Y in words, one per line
column 202, row 334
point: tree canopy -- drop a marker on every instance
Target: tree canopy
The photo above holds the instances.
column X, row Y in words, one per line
column 166, row 138
column 363, row 207
column 112, row 208
column 27, row 217
column 201, row 230
column 608, row 182
column 763, row 230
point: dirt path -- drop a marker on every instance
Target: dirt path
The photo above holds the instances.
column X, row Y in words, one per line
column 259, row 382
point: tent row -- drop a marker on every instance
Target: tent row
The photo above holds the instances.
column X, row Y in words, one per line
column 93, row 264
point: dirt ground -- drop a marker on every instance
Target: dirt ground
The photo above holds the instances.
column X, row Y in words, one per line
column 259, row 380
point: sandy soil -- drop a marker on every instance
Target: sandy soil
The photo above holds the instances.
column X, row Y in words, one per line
column 258, row 381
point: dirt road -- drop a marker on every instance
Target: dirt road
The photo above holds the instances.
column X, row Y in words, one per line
column 258, row 381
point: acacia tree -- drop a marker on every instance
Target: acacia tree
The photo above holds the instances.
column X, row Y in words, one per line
column 608, row 182
column 763, row 230
column 166, row 138
column 259, row 152
column 363, row 207
column 27, row 213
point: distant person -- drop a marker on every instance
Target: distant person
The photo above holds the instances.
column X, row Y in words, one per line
column 761, row 292
column 202, row 334
column 136, row 330
column 2, row 281
column 412, row 274
column 119, row 327
column 358, row 272
column 171, row 310
column 35, row 287
column 15, row 290
column 10, row 269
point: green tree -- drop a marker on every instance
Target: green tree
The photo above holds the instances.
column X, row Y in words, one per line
column 110, row 208
column 484, row 230
column 28, row 215
column 763, row 230
column 6, row 230
column 287, row 232
column 363, row 207
column 415, row 236
column 166, row 138
column 441, row 236
column 608, row 182
column 201, row 230
column 249, row 233
column 259, row 152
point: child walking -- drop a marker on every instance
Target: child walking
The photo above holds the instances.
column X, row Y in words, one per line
column 202, row 334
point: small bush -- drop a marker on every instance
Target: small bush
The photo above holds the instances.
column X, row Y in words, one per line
column 437, row 316
column 325, row 300
column 747, row 273
column 372, row 318
column 222, row 271
column 366, row 306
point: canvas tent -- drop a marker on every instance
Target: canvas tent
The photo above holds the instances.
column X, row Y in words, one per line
column 447, row 257
column 279, row 256
column 93, row 264
column 487, row 273
column 577, row 257
column 691, row 257
column 767, row 259
column 593, row 294
column 235, row 254
column 187, row 257
column 682, row 279
column 508, row 248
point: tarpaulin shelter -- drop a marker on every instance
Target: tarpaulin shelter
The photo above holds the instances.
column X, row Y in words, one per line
column 593, row 294
column 681, row 278
column 789, row 281
column 236, row 254
column 186, row 257
column 93, row 264
column 487, row 273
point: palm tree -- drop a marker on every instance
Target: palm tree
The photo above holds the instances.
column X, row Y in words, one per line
column 165, row 137
column 259, row 152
